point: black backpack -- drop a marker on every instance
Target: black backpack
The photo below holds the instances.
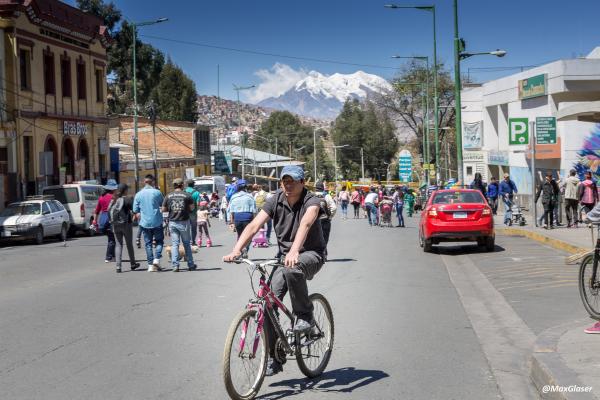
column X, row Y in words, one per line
column 117, row 214
column 324, row 207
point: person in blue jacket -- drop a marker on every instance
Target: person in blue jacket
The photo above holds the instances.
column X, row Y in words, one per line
column 507, row 191
column 492, row 194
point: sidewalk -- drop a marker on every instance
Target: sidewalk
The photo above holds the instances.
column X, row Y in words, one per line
column 563, row 357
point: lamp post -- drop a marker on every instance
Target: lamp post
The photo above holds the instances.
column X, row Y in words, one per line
column 237, row 89
column 335, row 162
column 134, row 26
column 315, row 152
column 431, row 9
column 459, row 54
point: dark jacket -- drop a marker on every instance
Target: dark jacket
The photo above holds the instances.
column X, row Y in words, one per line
column 549, row 192
column 479, row 185
column 493, row 190
column 508, row 188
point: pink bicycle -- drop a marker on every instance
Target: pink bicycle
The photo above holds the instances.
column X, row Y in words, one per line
column 247, row 345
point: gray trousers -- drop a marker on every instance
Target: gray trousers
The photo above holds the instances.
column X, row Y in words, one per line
column 124, row 231
column 294, row 280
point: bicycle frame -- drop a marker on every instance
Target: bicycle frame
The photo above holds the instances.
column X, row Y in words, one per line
column 264, row 303
column 594, row 284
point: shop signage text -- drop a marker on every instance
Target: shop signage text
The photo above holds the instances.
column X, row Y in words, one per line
column 72, row 128
column 532, row 87
column 474, row 156
column 545, row 130
column 498, row 158
column 405, row 166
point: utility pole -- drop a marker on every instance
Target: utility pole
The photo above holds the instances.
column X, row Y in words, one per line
column 362, row 164
column 237, row 89
column 533, row 142
column 152, row 115
column 457, row 102
column 315, row 152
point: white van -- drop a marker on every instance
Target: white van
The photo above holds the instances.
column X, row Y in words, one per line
column 210, row 184
column 80, row 200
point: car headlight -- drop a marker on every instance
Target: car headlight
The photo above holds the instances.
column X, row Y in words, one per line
column 23, row 227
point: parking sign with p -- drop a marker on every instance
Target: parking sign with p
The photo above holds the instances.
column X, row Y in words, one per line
column 518, row 131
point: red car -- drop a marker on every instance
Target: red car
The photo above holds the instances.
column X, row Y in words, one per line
column 456, row 215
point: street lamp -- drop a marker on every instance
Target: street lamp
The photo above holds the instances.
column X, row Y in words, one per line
column 430, row 8
column 134, row 26
column 459, row 54
column 335, row 161
column 237, row 89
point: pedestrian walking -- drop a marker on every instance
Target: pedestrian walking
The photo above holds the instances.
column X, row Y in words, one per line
column 398, row 200
column 179, row 204
column 409, row 202
column 327, row 212
column 203, row 225
column 242, row 209
column 147, row 207
column 371, row 201
column 508, row 189
column 478, row 184
column 224, row 206
column 344, row 198
column 120, row 211
column 549, row 192
column 194, row 213
column 355, row 201
column 587, row 193
column 101, row 219
column 492, row 194
column 570, row 186
column 259, row 199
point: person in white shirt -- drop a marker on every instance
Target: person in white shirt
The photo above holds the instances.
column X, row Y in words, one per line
column 371, row 201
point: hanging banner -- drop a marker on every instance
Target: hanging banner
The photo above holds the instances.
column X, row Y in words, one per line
column 405, row 166
column 222, row 166
column 472, row 135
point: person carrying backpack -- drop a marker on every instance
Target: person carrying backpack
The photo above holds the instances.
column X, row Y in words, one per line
column 194, row 213
column 327, row 212
column 120, row 211
column 587, row 193
column 101, row 220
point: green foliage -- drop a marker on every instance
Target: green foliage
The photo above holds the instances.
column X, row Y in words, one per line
column 294, row 140
column 175, row 94
column 361, row 125
column 108, row 12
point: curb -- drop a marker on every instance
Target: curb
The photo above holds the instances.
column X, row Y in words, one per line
column 548, row 368
column 538, row 237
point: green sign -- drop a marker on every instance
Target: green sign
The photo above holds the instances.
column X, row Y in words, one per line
column 532, row 87
column 545, row 130
column 518, row 131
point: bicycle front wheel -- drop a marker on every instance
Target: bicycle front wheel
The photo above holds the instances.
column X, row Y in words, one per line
column 243, row 368
column 313, row 350
column 589, row 289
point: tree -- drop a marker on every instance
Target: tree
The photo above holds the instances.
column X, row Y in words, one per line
column 109, row 13
column 361, row 125
column 175, row 94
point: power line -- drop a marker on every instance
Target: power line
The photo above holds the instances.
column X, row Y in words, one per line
column 261, row 53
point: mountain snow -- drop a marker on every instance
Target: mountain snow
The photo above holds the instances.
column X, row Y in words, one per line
column 322, row 96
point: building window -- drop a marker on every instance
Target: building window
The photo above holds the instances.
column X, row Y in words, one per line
column 49, row 84
column 81, row 81
column 25, row 69
column 65, row 77
column 3, row 160
column 202, row 143
column 99, row 85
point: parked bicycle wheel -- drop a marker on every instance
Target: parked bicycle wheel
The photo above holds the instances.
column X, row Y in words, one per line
column 243, row 374
column 588, row 289
column 313, row 350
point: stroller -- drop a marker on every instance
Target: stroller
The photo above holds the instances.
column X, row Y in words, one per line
column 260, row 240
column 515, row 212
column 385, row 212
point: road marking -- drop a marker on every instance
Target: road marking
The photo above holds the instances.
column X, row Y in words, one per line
column 505, row 339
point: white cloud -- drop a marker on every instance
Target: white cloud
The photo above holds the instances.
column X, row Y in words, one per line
column 275, row 81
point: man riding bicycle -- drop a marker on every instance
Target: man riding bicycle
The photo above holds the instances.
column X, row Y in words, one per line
column 293, row 210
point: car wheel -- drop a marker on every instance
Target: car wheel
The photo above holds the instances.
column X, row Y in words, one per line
column 427, row 245
column 72, row 230
column 490, row 243
column 39, row 235
column 63, row 233
column 481, row 242
column 420, row 239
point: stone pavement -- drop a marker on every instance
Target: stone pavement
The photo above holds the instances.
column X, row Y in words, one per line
column 563, row 357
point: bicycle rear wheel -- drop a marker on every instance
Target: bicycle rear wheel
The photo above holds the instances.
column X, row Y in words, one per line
column 313, row 350
column 589, row 291
column 242, row 373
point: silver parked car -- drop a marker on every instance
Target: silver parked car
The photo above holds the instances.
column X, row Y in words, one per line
column 36, row 218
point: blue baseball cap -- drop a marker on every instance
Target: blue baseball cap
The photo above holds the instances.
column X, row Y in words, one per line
column 293, row 171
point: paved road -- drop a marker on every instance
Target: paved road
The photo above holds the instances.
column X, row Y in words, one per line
column 72, row 328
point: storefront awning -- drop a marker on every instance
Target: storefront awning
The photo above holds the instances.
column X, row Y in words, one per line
column 586, row 112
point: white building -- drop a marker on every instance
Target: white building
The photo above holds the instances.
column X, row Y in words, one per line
column 498, row 115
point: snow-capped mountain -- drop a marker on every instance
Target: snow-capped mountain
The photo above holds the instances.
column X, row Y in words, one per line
column 322, row 96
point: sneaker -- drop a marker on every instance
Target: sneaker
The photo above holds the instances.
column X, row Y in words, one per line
column 152, row 268
column 594, row 328
column 134, row 266
column 138, row 243
column 156, row 263
column 118, row 269
column 108, row 260
column 192, row 267
column 175, row 269
column 273, row 367
column 302, row 326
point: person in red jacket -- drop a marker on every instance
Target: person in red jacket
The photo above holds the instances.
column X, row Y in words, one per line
column 101, row 220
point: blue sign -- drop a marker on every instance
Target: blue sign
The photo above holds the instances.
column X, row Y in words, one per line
column 222, row 165
column 405, row 166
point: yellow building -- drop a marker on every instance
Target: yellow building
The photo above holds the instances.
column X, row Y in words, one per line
column 53, row 125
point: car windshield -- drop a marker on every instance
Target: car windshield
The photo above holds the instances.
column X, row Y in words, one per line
column 457, row 197
column 204, row 187
column 64, row 195
column 21, row 209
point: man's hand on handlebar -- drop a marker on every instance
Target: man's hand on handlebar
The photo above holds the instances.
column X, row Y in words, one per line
column 233, row 256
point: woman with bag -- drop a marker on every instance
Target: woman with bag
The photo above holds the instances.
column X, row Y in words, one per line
column 587, row 194
column 355, row 200
column 120, row 211
column 101, row 220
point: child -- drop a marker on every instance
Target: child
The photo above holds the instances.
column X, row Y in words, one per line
column 203, row 224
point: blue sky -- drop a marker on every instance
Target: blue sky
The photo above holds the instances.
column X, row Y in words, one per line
column 363, row 32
